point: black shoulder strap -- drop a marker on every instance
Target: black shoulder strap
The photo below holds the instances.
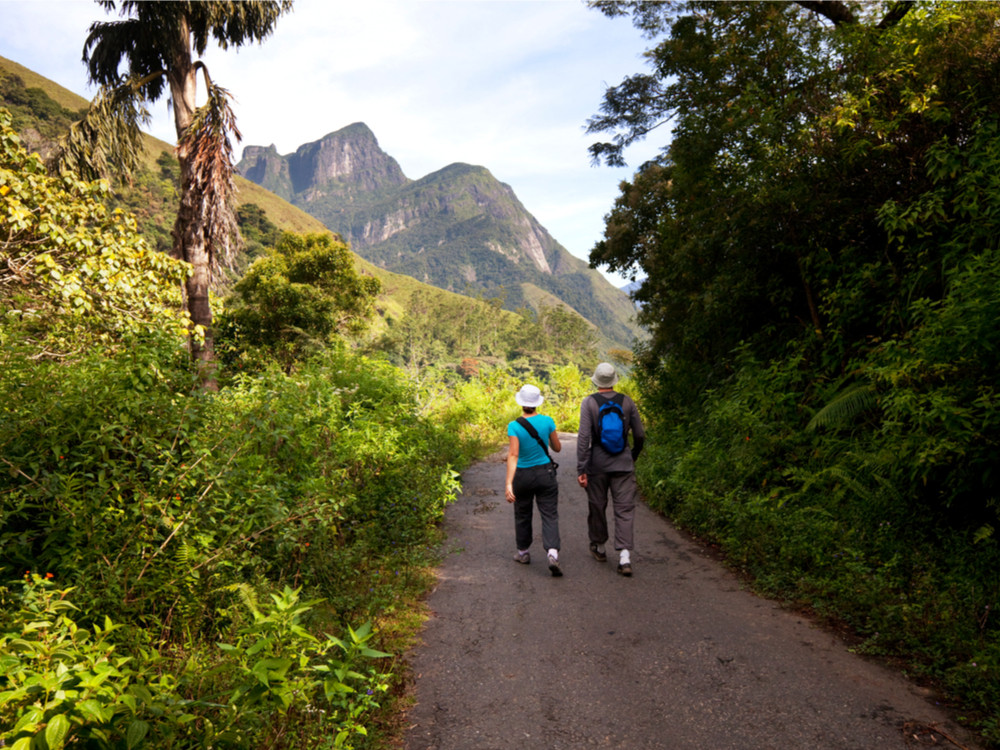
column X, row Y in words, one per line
column 534, row 433
column 601, row 399
column 595, row 427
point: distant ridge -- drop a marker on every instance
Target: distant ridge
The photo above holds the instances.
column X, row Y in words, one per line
column 398, row 290
column 458, row 228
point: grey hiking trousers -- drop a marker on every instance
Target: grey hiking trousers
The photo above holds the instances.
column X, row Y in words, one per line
column 624, row 492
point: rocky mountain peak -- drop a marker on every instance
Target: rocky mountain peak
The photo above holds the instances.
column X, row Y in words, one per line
column 346, row 161
column 458, row 228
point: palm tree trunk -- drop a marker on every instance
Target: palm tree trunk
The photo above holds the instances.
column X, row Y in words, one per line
column 189, row 239
column 189, row 228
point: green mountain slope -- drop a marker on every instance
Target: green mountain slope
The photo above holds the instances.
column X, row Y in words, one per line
column 458, row 228
column 43, row 110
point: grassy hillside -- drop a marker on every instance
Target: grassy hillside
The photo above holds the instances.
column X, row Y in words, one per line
column 156, row 213
column 61, row 96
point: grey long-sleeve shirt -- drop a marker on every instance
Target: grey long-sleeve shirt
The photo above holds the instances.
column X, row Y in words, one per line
column 591, row 458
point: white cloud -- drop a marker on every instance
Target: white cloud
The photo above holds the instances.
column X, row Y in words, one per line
column 506, row 84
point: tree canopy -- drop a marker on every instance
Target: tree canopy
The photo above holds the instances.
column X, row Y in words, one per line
column 299, row 297
column 790, row 142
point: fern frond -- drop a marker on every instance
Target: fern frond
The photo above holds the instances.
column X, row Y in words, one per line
column 246, row 594
column 183, row 554
column 982, row 534
column 845, row 407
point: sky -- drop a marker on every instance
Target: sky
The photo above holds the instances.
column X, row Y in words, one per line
column 504, row 84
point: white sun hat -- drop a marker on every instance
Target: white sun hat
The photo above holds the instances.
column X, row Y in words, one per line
column 529, row 396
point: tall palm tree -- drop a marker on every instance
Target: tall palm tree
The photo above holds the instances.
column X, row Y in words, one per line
column 157, row 42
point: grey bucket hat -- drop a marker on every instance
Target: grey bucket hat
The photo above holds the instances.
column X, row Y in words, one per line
column 604, row 376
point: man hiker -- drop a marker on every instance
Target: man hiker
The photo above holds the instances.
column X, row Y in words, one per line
column 605, row 463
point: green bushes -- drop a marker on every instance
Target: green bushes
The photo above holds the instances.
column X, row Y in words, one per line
column 294, row 300
column 175, row 511
column 476, row 411
column 64, row 684
column 874, row 518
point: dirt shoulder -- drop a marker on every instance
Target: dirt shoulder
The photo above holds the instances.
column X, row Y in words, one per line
column 679, row 656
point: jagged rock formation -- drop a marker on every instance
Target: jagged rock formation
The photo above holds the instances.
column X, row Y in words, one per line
column 459, row 228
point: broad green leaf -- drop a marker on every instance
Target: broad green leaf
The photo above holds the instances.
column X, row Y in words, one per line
column 136, row 733
column 56, row 731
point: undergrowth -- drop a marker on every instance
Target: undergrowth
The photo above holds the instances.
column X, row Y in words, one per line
column 831, row 518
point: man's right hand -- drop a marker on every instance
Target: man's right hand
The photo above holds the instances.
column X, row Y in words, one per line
column 582, row 479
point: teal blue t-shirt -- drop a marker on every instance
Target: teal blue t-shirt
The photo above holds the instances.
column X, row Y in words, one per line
column 530, row 452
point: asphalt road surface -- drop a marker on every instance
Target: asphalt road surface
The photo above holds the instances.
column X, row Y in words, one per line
column 680, row 656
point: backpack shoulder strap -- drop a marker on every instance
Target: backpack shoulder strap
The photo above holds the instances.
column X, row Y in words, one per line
column 601, row 399
column 534, row 433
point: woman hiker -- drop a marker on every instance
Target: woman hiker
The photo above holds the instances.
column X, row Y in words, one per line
column 531, row 477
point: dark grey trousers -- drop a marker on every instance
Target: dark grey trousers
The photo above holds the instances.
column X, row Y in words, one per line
column 624, row 492
column 536, row 484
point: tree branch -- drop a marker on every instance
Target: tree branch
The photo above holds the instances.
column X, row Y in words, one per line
column 841, row 15
column 896, row 13
column 832, row 10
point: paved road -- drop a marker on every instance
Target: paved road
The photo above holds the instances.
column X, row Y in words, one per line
column 678, row 657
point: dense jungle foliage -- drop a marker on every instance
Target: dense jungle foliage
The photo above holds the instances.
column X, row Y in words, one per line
column 181, row 568
column 821, row 241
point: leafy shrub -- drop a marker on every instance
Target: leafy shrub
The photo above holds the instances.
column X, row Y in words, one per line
column 296, row 299
column 66, row 685
column 73, row 273
column 157, row 502
column 150, row 495
column 846, row 518
column 63, row 684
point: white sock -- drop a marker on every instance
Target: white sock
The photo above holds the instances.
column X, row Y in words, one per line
column 600, row 548
column 522, row 552
column 554, row 554
column 624, row 558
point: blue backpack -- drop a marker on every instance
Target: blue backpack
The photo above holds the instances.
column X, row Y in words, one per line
column 611, row 423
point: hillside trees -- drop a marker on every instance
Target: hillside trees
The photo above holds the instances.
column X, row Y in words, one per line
column 73, row 273
column 156, row 42
column 776, row 213
column 715, row 223
column 761, row 221
column 298, row 298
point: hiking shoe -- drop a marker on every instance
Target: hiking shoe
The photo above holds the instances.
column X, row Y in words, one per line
column 598, row 555
column 522, row 557
column 554, row 568
column 625, row 569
